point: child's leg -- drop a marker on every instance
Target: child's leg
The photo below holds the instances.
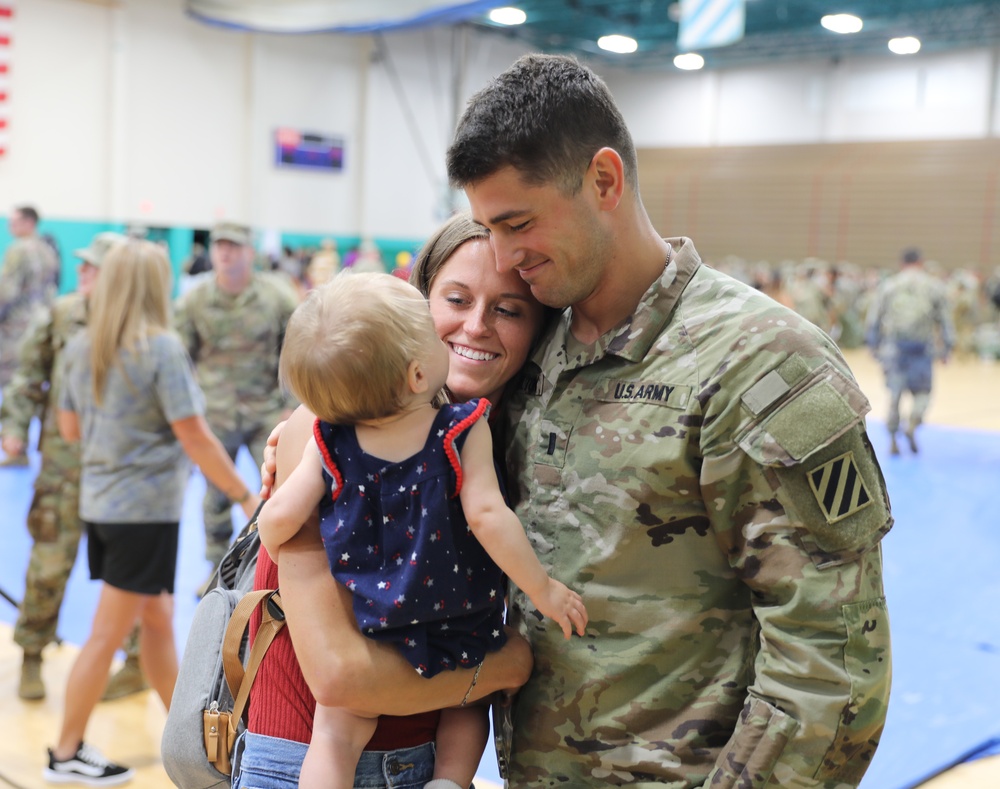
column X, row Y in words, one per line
column 338, row 739
column 461, row 739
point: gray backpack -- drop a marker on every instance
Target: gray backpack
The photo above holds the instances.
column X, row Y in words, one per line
column 207, row 710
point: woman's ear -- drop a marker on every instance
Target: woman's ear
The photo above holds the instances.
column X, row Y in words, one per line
column 416, row 380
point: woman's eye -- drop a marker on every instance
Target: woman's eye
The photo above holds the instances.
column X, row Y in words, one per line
column 508, row 312
column 455, row 300
column 520, row 227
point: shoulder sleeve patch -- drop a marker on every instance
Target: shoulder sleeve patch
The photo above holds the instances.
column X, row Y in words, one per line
column 839, row 488
column 812, row 444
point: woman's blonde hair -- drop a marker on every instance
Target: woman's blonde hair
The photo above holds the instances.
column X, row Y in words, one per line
column 130, row 303
column 349, row 345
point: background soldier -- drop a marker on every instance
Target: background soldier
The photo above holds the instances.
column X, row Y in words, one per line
column 53, row 518
column 233, row 324
column 27, row 284
column 906, row 324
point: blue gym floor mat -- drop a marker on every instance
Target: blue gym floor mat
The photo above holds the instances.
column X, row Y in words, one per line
column 943, row 590
column 941, row 576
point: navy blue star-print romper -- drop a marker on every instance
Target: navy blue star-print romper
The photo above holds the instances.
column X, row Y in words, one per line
column 396, row 536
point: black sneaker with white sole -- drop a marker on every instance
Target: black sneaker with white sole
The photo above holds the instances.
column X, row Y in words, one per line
column 87, row 766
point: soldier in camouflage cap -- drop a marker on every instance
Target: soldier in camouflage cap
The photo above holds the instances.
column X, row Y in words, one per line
column 53, row 518
column 692, row 457
column 909, row 324
column 232, row 324
column 27, row 286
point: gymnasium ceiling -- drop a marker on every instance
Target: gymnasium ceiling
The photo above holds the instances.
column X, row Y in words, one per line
column 776, row 30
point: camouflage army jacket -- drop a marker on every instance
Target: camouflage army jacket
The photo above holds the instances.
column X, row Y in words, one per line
column 911, row 305
column 235, row 342
column 34, row 389
column 27, row 280
column 702, row 476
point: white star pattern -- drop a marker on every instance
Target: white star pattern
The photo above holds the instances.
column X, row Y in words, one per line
column 423, row 512
column 496, row 634
column 345, row 556
column 402, row 488
column 454, row 569
column 381, row 584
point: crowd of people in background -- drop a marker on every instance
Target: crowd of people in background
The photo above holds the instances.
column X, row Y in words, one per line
column 837, row 297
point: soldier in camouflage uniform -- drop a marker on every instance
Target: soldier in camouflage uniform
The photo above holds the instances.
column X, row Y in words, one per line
column 692, row 458
column 27, row 286
column 232, row 325
column 909, row 324
column 53, row 517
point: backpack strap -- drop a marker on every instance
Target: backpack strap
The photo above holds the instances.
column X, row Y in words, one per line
column 272, row 620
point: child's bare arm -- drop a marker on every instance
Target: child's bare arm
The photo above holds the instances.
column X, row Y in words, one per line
column 291, row 505
column 500, row 533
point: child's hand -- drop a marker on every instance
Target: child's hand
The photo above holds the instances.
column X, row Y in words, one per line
column 564, row 606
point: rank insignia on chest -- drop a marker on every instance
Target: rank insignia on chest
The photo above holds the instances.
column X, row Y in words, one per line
column 838, row 487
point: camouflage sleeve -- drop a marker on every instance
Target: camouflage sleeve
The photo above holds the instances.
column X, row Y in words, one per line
column 185, row 327
column 27, row 393
column 11, row 279
column 801, row 506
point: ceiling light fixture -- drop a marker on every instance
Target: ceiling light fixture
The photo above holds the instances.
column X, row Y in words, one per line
column 623, row 45
column 689, row 61
column 842, row 23
column 905, row 45
column 508, row 16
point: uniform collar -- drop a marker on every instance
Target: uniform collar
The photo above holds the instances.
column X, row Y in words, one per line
column 634, row 337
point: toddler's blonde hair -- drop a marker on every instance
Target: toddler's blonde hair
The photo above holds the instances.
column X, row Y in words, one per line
column 349, row 345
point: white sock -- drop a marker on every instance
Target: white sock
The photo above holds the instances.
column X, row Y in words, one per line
column 442, row 783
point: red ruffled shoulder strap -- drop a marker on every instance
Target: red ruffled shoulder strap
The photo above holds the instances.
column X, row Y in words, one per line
column 328, row 462
column 451, row 451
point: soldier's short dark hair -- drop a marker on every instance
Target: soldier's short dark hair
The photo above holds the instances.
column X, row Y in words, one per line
column 28, row 212
column 912, row 255
column 546, row 116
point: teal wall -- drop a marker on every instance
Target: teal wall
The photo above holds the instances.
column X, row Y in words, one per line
column 72, row 235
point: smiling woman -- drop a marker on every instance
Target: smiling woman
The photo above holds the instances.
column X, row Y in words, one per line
column 488, row 320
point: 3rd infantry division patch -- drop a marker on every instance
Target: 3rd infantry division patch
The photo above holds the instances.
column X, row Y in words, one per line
column 838, row 488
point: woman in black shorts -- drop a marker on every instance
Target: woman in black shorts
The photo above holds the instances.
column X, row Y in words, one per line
column 131, row 396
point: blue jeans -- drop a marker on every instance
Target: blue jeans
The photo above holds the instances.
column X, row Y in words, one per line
column 273, row 763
